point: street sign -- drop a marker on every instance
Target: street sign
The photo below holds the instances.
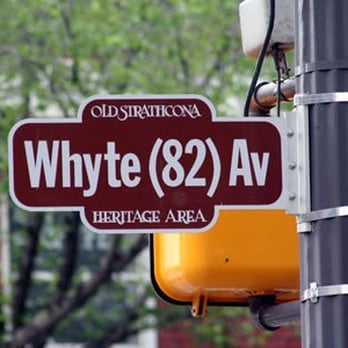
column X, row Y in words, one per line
column 145, row 163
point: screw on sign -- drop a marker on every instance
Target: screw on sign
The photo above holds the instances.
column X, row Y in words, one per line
column 147, row 162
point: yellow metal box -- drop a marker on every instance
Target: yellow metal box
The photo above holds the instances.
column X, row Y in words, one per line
column 246, row 253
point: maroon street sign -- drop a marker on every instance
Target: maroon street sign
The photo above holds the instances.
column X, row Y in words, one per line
column 146, row 163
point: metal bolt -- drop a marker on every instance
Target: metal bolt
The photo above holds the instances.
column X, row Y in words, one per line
column 292, row 165
column 292, row 196
column 290, row 133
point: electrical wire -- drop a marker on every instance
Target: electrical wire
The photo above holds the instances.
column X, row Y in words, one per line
column 260, row 58
column 276, row 57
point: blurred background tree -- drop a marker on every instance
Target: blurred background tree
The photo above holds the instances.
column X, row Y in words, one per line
column 68, row 283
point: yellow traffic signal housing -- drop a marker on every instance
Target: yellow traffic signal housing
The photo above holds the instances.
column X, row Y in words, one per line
column 246, row 253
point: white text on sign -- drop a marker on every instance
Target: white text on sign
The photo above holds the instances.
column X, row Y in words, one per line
column 83, row 170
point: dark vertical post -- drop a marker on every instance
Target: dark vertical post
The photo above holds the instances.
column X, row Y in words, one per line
column 322, row 79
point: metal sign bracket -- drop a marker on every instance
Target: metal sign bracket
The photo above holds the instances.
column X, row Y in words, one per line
column 298, row 161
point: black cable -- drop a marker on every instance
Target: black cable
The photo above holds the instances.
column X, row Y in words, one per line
column 276, row 57
column 260, row 58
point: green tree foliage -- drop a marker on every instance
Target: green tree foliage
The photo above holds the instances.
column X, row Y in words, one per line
column 53, row 55
column 58, row 53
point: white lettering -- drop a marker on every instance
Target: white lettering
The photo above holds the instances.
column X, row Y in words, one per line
column 260, row 167
column 130, row 165
column 67, row 161
column 242, row 164
column 79, row 170
column 122, row 217
column 185, row 216
column 42, row 161
column 93, row 171
column 112, row 157
column 104, row 110
column 144, row 111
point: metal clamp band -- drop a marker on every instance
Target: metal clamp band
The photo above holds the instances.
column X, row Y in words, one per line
column 321, row 66
column 323, row 214
column 320, row 98
column 315, row 292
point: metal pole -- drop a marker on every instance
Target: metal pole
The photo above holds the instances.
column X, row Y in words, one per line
column 321, row 48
